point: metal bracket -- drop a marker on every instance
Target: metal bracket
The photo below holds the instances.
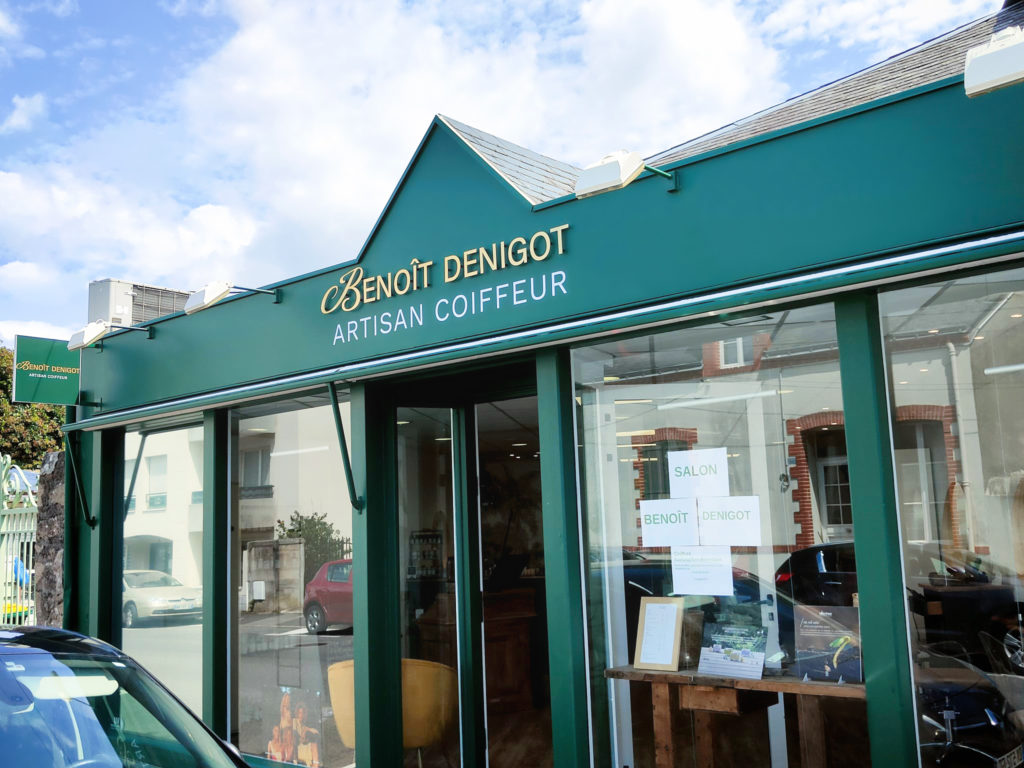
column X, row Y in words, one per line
column 357, row 503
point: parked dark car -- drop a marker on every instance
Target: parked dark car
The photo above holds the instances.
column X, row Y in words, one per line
column 952, row 597
column 68, row 701
column 328, row 598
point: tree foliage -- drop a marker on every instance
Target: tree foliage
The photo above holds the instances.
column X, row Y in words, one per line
column 322, row 540
column 27, row 432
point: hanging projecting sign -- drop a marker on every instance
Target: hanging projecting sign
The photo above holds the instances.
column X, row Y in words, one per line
column 667, row 522
column 44, row 371
column 700, row 472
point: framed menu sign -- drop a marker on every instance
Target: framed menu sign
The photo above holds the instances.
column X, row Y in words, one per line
column 658, row 633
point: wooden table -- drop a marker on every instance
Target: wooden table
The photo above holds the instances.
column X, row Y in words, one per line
column 708, row 697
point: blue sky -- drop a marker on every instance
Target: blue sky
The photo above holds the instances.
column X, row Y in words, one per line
column 172, row 142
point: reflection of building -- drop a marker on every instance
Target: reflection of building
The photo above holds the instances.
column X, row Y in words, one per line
column 826, row 294
column 163, row 528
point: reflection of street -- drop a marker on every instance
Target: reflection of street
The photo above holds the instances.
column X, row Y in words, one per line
column 277, row 656
column 173, row 653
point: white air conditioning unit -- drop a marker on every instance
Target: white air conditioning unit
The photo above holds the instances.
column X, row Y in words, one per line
column 997, row 63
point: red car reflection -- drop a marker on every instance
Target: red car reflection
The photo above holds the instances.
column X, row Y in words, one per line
column 328, row 598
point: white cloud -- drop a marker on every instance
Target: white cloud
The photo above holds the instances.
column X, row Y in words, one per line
column 885, row 26
column 59, row 8
column 94, row 231
column 27, row 110
column 185, row 7
column 274, row 155
column 8, row 28
column 19, row 276
column 11, row 328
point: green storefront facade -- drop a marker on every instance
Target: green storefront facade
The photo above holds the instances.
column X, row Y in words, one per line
column 808, row 270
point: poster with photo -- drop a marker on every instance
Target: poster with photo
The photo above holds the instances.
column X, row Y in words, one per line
column 828, row 642
column 294, row 736
column 733, row 650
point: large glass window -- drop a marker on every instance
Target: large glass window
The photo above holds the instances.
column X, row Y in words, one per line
column 715, row 471
column 293, row 573
column 162, row 589
column 955, row 350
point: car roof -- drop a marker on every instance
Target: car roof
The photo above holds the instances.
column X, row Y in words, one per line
column 53, row 641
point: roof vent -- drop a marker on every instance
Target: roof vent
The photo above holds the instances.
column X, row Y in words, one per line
column 997, row 63
column 612, row 171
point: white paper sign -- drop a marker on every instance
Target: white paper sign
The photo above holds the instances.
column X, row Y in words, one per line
column 700, row 472
column 667, row 522
column 702, row 571
column 658, row 642
column 733, row 521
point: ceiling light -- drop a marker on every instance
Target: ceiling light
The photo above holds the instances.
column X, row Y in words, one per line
column 933, row 330
column 1016, row 315
column 923, row 370
column 979, row 337
column 904, row 382
column 400, row 423
column 611, row 378
column 632, row 402
column 1004, row 369
column 442, row 439
column 637, row 433
column 213, row 292
column 518, row 445
column 697, row 402
column 96, row 330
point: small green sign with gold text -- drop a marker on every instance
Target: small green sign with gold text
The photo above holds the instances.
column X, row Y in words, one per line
column 45, row 371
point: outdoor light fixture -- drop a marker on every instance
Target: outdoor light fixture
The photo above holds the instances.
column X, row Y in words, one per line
column 96, row 330
column 615, row 171
column 210, row 294
column 997, row 63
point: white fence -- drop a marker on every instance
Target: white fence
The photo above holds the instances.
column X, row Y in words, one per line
column 17, row 566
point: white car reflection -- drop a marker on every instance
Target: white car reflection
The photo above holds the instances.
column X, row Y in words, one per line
column 155, row 594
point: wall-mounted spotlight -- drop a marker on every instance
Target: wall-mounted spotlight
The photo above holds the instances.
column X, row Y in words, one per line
column 97, row 329
column 615, row 171
column 997, row 63
column 210, row 294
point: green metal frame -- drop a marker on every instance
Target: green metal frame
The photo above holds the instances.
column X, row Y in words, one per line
column 376, row 621
column 889, row 688
column 470, row 611
column 567, row 651
column 216, row 571
column 108, row 541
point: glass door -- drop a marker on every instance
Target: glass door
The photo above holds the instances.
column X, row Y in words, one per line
column 516, row 678
column 475, row 683
column 428, row 601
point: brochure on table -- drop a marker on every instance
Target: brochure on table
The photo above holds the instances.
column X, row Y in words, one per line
column 733, row 651
column 828, row 643
column 700, row 522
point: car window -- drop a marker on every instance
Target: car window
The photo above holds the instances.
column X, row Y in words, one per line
column 57, row 712
column 338, row 572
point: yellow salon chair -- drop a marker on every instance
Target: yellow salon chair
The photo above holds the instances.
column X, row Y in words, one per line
column 430, row 696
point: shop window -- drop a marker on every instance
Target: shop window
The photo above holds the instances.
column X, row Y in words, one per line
column 162, row 589
column 722, row 486
column 955, row 352
column 293, row 694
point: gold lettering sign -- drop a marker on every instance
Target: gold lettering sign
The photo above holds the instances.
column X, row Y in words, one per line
column 28, row 365
column 355, row 288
